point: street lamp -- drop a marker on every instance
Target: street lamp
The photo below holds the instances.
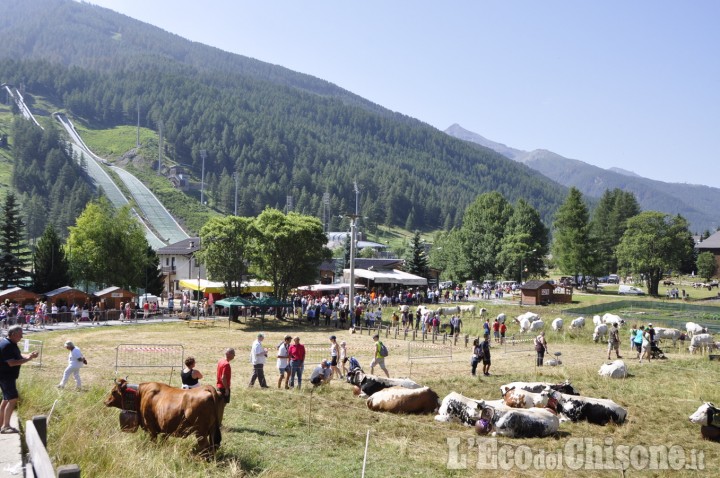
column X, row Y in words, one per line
column 353, row 234
column 521, row 271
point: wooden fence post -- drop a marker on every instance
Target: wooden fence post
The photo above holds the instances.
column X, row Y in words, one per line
column 40, row 422
column 68, row 471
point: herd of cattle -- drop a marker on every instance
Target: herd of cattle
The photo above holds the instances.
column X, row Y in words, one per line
column 700, row 339
column 525, row 409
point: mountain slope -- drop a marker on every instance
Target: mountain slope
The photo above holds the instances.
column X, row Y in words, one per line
column 283, row 133
column 698, row 204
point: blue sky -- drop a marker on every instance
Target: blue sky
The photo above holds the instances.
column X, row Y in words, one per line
column 613, row 83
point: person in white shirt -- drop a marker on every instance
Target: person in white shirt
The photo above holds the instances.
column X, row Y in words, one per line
column 75, row 362
column 283, row 361
column 258, row 356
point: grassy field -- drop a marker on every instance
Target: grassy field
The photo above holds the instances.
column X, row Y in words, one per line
column 114, row 142
column 278, row 433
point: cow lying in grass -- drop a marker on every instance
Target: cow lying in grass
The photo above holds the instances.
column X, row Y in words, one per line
column 371, row 384
column 497, row 418
column 404, row 400
column 708, row 417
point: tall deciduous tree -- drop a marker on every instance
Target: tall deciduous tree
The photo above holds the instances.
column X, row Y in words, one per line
column 417, row 262
column 289, row 249
column 14, row 252
column 107, row 246
column 573, row 249
column 482, row 231
column 652, row 244
column 50, row 266
column 226, row 249
column 706, row 265
column 524, row 244
column 448, row 256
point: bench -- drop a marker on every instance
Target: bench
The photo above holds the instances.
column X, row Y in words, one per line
column 201, row 323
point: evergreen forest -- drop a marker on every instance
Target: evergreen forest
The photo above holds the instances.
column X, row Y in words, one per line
column 282, row 133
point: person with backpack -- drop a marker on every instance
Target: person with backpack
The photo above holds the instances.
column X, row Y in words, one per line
column 380, row 353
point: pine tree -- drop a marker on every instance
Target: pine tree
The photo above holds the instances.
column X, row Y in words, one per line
column 417, row 262
column 51, row 270
column 573, row 249
column 14, row 252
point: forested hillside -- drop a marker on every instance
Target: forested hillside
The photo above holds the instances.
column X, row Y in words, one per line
column 283, row 133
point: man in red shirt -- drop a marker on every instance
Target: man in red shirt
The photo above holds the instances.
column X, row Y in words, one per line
column 224, row 374
column 297, row 361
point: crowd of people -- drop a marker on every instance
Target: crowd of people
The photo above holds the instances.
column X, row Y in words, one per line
column 290, row 355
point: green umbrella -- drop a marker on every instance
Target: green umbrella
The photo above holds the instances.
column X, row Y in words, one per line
column 233, row 302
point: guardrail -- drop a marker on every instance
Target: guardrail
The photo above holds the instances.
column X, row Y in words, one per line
column 38, row 458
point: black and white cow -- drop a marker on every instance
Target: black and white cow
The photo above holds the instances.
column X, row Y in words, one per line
column 708, row 417
column 460, row 409
column 537, row 387
column 504, row 421
column 525, row 423
column 598, row 411
column 370, row 384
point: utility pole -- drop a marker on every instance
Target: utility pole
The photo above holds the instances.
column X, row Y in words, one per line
column 137, row 142
column 236, row 189
column 203, row 153
column 160, row 146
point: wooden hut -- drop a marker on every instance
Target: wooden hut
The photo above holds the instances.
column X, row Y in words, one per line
column 66, row 296
column 18, row 295
column 543, row 292
column 111, row 297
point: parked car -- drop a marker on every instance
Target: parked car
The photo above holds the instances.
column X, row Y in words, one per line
column 630, row 290
column 613, row 279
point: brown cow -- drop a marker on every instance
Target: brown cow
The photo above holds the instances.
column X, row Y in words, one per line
column 163, row 409
column 404, row 400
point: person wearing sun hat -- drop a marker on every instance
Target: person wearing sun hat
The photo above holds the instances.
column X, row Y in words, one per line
column 75, row 362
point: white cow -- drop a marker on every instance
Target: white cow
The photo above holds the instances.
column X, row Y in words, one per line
column 597, row 320
column 501, row 318
column 524, row 325
column 537, row 326
column 601, row 332
column 448, row 310
column 519, row 398
column 578, row 323
column 662, row 333
column 701, row 342
column 612, row 319
column 557, row 324
column 471, row 309
column 616, row 369
column 530, row 316
column 692, row 329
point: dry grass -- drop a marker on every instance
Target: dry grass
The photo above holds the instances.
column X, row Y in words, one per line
column 273, row 433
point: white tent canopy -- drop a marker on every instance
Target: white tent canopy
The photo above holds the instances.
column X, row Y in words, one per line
column 328, row 287
column 387, row 277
